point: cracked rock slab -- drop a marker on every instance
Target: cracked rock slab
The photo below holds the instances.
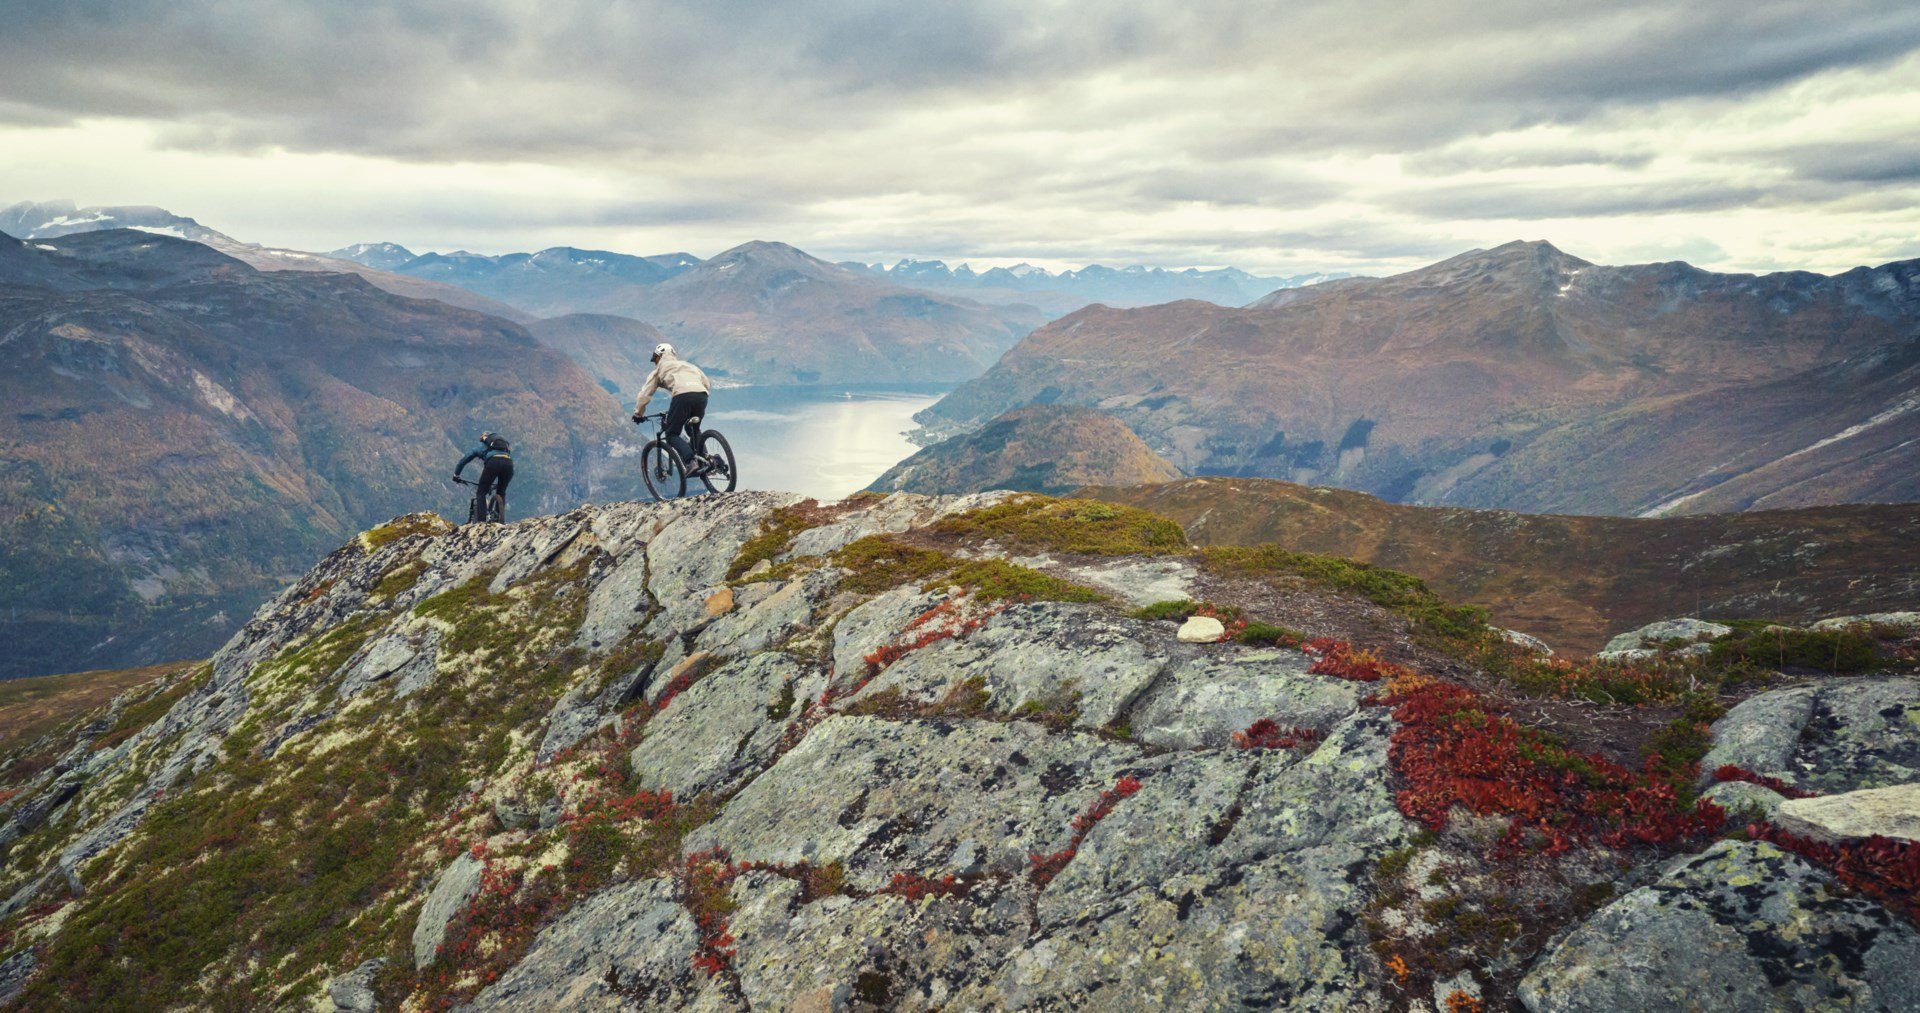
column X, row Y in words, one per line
column 1872, row 812
column 1204, row 701
column 451, row 894
column 1835, row 735
column 1047, row 654
column 1741, row 926
column 724, row 726
column 927, row 797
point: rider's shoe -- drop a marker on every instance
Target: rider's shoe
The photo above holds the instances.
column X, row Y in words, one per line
column 702, row 464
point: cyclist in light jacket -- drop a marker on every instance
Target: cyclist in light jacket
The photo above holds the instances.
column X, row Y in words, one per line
column 688, row 386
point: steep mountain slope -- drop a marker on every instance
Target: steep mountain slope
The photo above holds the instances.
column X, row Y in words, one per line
column 184, row 432
column 1066, row 291
column 1039, row 448
column 582, row 762
column 49, row 219
column 1575, row 581
column 1518, row 377
column 616, row 351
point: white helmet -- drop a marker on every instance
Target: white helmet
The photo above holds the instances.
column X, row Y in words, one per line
column 661, row 349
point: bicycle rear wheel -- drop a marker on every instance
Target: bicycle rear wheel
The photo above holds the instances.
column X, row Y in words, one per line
column 660, row 469
column 723, row 476
column 497, row 509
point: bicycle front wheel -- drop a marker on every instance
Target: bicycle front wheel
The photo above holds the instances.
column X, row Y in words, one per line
column 660, row 469
column 723, row 476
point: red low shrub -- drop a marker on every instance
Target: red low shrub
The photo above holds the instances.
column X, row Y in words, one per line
column 1729, row 772
column 1267, row 734
column 1885, row 869
column 1046, row 867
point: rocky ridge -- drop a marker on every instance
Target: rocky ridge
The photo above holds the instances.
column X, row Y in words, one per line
column 747, row 751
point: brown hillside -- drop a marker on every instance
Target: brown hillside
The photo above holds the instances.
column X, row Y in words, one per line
column 1039, row 448
column 1573, row 581
column 1520, row 378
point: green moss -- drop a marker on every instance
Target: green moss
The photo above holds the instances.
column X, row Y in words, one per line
column 776, row 533
column 1269, row 634
column 401, row 527
column 1436, row 620
column 399, row 580
column 996, row 579
column 1835, row 651
column 1069, row 525
column 1179, row 609
column 877, row 563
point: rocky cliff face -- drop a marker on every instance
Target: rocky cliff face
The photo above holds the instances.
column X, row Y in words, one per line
column 1519, row 378
column 185, row 434
column 1040, row 448
column 746, row 752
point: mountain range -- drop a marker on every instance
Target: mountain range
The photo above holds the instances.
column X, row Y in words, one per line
column 184, row 431
column 50, row 219
column 760, row 313
column 1519, row 377
column 1065, row 291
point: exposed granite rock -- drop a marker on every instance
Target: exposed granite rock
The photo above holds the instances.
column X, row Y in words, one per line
column 1046, row 654
column 352, row 992
column 451, row 894
column 1831, row 736
column 626, row 947
column 1872, row 812
column 725, row 725
column 927, row 797
column 1741, row 926
column 1656, row 634
column 1905, row 621
column 1201, row 703
column 1741, row 798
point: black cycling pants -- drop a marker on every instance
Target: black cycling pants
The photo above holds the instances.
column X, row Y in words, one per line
column 494, row 476
column 685, row 412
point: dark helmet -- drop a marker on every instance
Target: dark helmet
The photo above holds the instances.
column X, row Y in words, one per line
column 486, row 435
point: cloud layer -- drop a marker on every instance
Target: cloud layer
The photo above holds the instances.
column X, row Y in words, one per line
column 1359, row 135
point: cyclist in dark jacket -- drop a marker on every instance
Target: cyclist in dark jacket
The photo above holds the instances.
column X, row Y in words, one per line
column 496, row 466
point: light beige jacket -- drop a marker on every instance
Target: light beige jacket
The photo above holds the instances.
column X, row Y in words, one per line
column 674, row 375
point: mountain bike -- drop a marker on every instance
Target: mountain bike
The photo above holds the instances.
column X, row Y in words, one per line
column 495, row 509
column 666, row 475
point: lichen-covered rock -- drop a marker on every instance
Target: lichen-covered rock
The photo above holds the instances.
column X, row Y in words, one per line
column 14, row 973
column 891, row 515
column 764, row 620
column 1872, row 812
column 725, row 725
column 352, row 992
column 1656, row 634
column 625, row 948
column 1202, row 702
column 1044, row 654
column 1139, row 582
column 1741, row 926
column 1525, row 641
column 874, row 623
column 1228, row 881
column 1906, row 622
column 1744, row 799
column 452, row 892
column 1834, row 735
column 885, row 950
column 926, row 797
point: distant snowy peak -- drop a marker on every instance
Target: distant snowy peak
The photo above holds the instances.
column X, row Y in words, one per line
column 1137, row 284
column 379, row 256
column 49, row 219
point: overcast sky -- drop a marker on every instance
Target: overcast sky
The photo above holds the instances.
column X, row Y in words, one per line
column 1275, row 136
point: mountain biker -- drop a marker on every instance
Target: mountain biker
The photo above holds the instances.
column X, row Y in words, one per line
column 688, row 385
column 496, row 467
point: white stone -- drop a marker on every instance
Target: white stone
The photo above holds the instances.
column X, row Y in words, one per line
column 1202, row 630
column 1655, row 634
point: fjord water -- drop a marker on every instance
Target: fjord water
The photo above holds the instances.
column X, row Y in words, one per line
column 824, row 442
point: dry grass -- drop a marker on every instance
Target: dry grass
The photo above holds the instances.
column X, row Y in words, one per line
column 29, row 708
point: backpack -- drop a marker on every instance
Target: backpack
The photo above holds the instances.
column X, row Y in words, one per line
column 498, row 444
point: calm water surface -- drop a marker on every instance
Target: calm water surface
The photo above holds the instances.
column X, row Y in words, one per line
column 817, row 441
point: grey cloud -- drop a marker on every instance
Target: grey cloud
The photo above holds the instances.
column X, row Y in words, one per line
column 1455, row 160
column 1879, row 161
column 1526, row 202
